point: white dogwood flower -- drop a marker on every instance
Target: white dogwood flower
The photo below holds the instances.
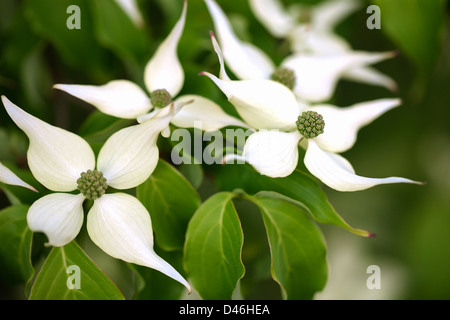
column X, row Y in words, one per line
column 316, row 34
column 283, row 123
column 313, row 77
column 9, row 177
column 324, row 131
column 164, row 79
column 64, row 162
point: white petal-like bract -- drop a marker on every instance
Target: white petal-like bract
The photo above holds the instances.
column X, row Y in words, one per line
column 272, row 153
column 9, row 177
column 371, row 76
column 245, row 60
column 121, row 226
column 58, row 215
column 263, row 104
column 336, row 172
column 273, row 16
column 164, row 70
column 318, row 75
column 342, row 124
column 118, row 98
column 207, row 112
column 131, row 8
column 328, row 14
column 131, row 154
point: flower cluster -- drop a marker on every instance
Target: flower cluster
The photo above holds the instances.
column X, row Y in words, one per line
column 274, row 109
column 284, row 105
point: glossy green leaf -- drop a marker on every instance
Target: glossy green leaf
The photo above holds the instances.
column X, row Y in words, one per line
column 171, row 201
column 297, row 246
column 212, row 254
column 15, row 248
column 69, row 274
column 192, row 172
column 36, row 80
column 78, row 47
column 298, row 186
column 416, row 26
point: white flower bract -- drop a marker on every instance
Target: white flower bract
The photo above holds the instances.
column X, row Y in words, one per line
column 125, row 99
column 316, row 36
column 317, row 73
column 131, row 8
column 275, row 154
column 118, row 223
column 273, row 109
column 9, row 177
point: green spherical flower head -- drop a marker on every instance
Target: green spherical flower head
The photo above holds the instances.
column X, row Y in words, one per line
column 160, row 98
column 310, row 124
column 284, row 76
column 92, row 184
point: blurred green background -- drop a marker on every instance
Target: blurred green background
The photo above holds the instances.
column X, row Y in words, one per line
column 412, row 223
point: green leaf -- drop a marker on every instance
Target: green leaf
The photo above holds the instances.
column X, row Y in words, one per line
column 116, row 31
column 15, row 248
column 55, row 278
column 296, row 245
column 78, row 46
column 171, row 201
column 298, row 186
column 212, row 254
column 416, row 26
column 36, row 80
column 192, row 172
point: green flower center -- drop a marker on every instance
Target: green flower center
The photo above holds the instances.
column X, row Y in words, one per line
column 284, row 76
column 160, row 98
column 92, row 184
column 310, row 124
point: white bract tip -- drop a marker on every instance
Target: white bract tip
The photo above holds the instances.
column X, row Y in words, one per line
column 342, row 124
column 118, row 98
column 245, row 60
column 318, row 75
column 131, row 8
column 9, row 177
column 121, row 226
column 56, row 157
column 337, row 173
column 164, row 70
column 273, row 16
column 327, row 15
